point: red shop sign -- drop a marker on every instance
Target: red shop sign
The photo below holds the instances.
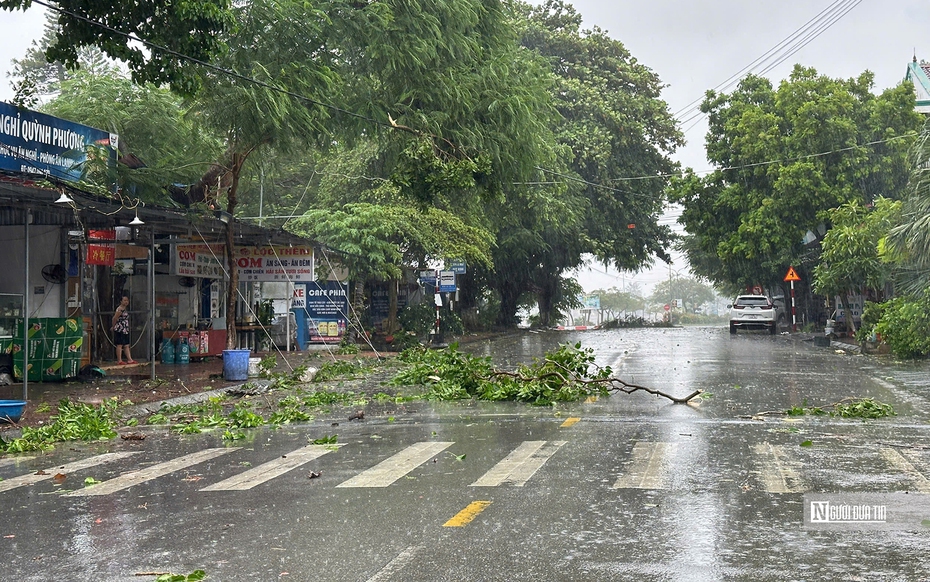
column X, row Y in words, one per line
column 101, row 255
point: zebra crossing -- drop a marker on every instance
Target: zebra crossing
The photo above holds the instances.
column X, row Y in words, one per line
column 649, row 465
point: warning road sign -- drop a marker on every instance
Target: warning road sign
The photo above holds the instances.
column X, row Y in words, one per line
column 792, row 275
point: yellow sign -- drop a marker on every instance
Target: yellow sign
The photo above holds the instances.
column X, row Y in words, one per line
column 792, row 275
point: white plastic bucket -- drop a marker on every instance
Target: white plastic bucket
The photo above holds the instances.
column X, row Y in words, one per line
column 253, row 367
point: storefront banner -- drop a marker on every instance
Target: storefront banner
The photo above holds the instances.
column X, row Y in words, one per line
column 101, row 255
column 299, row 300
column 210, row 266
column 101, row 234
column 200, row 261
column 35, row 143
column 278, row 263
column 326, row 308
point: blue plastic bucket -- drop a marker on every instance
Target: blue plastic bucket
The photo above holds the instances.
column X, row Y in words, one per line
column 236, row 364
column 11, row 410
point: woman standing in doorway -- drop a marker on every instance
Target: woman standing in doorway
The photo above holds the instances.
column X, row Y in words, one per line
column 121, row 331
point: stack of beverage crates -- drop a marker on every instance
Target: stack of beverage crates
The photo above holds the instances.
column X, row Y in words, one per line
column 54, row 345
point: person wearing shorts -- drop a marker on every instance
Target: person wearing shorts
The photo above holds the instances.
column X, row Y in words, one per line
column 120, row 328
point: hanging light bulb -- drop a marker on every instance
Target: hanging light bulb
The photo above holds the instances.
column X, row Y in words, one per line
column 136, row 221
column 64, row 198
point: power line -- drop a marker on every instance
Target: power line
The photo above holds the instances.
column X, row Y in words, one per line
column 778, row 54
column 213, row 67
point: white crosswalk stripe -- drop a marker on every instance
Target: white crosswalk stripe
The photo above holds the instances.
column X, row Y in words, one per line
column 14, row 460
column 131, row 478
column 395, row 467
column 777, row 472
column 648, row 468
column 898, row 461
column 65, row 469
column 520, row 465
column 271, row 469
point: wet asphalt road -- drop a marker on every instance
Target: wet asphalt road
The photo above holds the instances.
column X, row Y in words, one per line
column 630, row 487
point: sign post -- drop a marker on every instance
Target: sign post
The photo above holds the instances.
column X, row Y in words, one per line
column 437, row 337
column 792, row 276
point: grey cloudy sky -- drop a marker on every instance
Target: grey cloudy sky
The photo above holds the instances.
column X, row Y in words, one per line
column 698, row 45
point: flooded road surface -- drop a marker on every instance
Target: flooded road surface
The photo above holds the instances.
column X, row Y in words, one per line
column 630, row 487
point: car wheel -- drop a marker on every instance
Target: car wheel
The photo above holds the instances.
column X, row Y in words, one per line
column 732, row 329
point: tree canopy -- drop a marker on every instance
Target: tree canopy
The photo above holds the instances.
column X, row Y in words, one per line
column 177, row 35
column 784, row 156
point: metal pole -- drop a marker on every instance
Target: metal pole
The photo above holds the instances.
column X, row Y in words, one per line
column 26, row 222
column 287, row 315
column 794, row 316
column 152, row 299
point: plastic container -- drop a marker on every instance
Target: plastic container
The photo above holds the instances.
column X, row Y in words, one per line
column 11, row 410
column 236, row 364
column 167, row 351
column 184, row 352
column 253, row 367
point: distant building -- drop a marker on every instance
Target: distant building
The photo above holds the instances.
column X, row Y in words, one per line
column 919, row 75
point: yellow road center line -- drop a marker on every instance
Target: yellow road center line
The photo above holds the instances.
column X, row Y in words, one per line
column 570, row 421
column 465, row 516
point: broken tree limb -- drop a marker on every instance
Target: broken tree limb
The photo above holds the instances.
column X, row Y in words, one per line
column 608, row 384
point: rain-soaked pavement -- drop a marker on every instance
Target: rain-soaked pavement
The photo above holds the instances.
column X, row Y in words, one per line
column 629, row 487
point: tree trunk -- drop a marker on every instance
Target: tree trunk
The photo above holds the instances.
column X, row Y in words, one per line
column 510, row 296
column 390, row 324
column 848, row 316
column 232, row 288
column 358, row 304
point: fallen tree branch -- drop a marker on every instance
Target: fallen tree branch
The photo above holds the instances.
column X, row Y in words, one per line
column 610, row 384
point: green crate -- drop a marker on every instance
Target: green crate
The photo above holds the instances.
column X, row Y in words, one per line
column 36, row 328
column 72, row 347
column 73, row 328
column 70, row 367
column 35, row 373
column 53, row 348
column 52, row 369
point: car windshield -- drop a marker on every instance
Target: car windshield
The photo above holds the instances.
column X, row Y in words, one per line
column 753, row 301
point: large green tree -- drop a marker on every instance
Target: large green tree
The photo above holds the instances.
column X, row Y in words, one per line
column 153, row 125
column 34, row 77
column 851, row 263
column 784, row 156
column 908, row 243
column 377, row 242
column 176, row 34
column 690, row 290
column 275, row 97
column 614, row 126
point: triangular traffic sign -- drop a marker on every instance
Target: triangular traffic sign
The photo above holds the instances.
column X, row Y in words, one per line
column 792, row 275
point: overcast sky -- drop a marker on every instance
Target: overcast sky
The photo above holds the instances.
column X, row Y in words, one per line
column 698, row 45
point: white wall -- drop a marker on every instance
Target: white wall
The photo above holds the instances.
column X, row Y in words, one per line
column 44, row 249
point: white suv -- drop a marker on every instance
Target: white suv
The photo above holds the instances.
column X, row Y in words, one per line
column 753, row 311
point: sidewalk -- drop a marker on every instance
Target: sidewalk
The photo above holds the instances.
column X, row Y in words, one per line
column 187, row 383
